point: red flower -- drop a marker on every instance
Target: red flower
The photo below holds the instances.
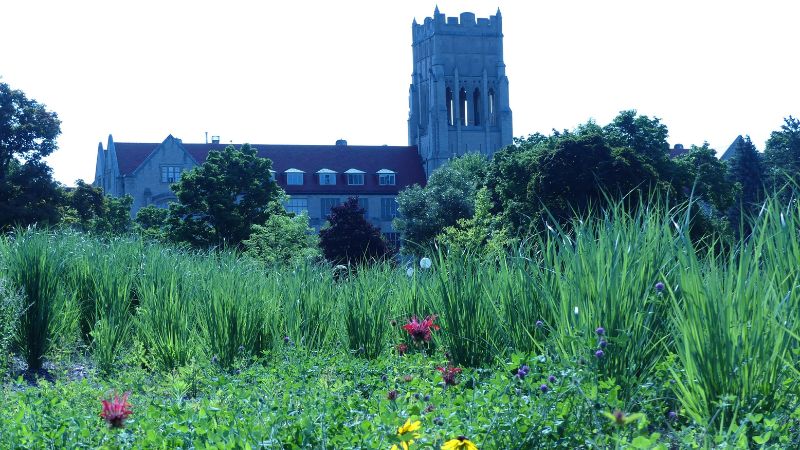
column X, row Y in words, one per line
column 402, row 349
column 449, row 374
column 421, row 331
column 116, row 411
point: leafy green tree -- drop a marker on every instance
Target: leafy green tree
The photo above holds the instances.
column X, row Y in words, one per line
column 151, row 222
column 349, row 239
column 28, row 132
column 87, row 209
column 424, row 212
column 220, row 200
column 709, row 175
column 479, row 235
column 782, row 153
column 283, row 239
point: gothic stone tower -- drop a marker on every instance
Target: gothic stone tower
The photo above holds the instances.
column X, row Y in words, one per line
column 459, row 90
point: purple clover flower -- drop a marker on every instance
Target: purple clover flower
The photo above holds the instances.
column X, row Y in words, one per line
column 603, row 343
column 599, row 354
column 660, row 287
column 551, row 378
column 672, row 415
column 544, row 388
column 539, row 324
column 600, row 331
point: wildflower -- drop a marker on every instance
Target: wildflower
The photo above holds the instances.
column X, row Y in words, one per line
column 539, row 324
column 425, row 263
column 214, row 359
column 544, row 388
column 287, row 340
column 459, row 443
column 384, row 378
column 672, row 415
column 421, row 331
column 407, row 433
column 599, row 354
column 401, row 349
column 551, row 378
column 522, row 372
column 427, row 398
column 438, row 420
column 600, row 331
column 116, row 410
column 660, row 287
column 429, row 408
column 603, row 343
column 449, row 374
column 392, row 395
column 408, row 378
column 410, row 271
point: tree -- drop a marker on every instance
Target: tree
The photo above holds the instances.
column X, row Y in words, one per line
column 782, row 153
column 449, row 196
column 479, row 235
column 87, row 209
column 151, row 222
column 220, row 200
column 349, row 239
column 283, row 239
column 746, row 172
column 28, row 133
column 709, row 175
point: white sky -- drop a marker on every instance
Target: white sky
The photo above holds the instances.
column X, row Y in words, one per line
column 311, row 72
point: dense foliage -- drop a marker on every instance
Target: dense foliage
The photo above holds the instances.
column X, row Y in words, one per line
column 283, row 239
column 348, row 238
column 220, row 200
column 593, row 335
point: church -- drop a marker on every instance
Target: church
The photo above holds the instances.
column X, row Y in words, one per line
column 458, row 104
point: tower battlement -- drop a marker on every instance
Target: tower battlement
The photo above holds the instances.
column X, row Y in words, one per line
column 465, row 23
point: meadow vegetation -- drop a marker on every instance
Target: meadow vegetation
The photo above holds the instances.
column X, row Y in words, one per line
column 612, row 331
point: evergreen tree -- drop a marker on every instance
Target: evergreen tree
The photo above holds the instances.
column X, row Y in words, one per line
column 349, row 239
column 782, row 154
column 746, row 172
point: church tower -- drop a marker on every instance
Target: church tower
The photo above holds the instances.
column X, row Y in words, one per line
column 459, row 90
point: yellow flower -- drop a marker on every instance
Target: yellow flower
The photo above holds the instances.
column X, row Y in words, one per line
column 459, row 442
column 407, row 428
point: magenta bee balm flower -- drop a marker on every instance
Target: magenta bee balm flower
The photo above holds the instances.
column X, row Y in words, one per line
column 116, row 410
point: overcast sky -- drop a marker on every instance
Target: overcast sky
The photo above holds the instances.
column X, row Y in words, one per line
column 311, row 72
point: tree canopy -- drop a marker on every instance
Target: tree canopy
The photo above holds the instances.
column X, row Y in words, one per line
column 349, row 239
column 220, row 200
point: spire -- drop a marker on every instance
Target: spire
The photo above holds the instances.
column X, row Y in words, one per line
column 498, row 12
column 414, row 22
column 436, row 11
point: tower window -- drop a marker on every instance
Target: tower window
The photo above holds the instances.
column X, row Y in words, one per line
column 449, row 101
column 476, row 106
column 491, row 107
column 462, row 103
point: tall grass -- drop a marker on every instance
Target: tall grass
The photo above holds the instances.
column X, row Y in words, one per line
column 307, row 315
column 165, row 319
column 233, row 310
column 11, row 307
column 367, row 309
column 733, row 316
column 35, row 266
column 603, row 276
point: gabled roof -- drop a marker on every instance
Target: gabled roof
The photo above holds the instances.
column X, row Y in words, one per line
column 732, row 149
column 403, row 160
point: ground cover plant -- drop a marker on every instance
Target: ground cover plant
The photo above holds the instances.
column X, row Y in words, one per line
column 616, row 331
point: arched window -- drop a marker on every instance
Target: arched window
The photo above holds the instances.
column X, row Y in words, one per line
column 491, row 107
column 476, row 106
column 449, row 100
column 462, row 106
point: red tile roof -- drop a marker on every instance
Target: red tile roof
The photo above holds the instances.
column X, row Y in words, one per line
column 404, row 161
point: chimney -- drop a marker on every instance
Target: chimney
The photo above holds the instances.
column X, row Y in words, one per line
column 341, row 143
column 215, row 139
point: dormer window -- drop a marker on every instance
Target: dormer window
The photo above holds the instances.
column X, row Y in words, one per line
column 272, row 175
column 294, row 177
column 355, row 177
column 386, row 177
column 327, row 177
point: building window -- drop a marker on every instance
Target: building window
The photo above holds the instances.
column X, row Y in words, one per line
column 355, row 179
column 327, row 204
column 327, row 179
column 363, row 203
column 491, row 107
column 386, row 179
column 294, row 178
column 388, row 208
column 296, row 205
column 476, row 107
column 462, row 107
column 170, row 174
column 448, row 98
column 393, row 239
